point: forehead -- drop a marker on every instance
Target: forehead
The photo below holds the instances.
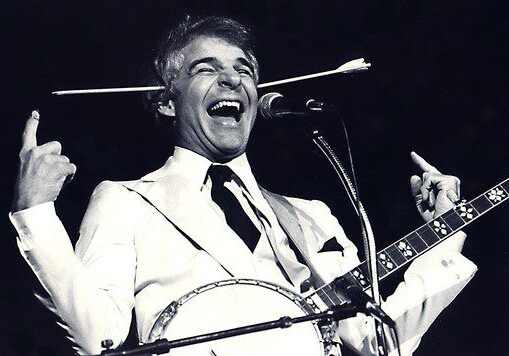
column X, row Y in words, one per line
column 217, row 48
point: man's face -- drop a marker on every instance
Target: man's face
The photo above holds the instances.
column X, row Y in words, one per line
column 216, row 101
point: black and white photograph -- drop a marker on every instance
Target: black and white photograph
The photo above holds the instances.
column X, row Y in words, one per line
column 259, row 178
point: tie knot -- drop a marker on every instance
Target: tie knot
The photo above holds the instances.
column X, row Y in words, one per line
column 219, row 174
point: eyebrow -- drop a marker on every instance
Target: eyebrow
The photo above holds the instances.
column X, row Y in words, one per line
column 209, row 60
column 195, row 62
column 247, row 63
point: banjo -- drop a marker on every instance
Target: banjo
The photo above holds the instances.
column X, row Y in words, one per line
column 238, row 302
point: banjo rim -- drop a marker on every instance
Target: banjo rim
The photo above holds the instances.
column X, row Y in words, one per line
column 164, row 319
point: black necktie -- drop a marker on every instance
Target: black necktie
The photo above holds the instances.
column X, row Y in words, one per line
column 235, row 215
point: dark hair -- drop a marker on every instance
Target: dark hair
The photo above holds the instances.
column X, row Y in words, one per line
column 165, row 66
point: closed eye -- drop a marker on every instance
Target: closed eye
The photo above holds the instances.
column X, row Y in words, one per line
column 205, row 70
column 245, row 71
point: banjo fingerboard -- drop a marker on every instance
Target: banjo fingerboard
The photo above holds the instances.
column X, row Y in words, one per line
column 412, row 245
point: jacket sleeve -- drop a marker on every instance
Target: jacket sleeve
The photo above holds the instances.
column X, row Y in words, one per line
column 92, row 289
column 430, row 284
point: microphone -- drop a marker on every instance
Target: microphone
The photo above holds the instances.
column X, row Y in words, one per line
column 363, row 301
column 276, row 106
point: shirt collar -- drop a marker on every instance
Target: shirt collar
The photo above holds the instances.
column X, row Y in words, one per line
column 194, row 167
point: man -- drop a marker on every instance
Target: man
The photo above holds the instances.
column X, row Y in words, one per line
column 147, row 242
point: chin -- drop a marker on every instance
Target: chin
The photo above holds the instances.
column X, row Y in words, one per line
column 229, row 153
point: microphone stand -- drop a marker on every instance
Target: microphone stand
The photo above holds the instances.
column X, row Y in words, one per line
column 367, row 231
column 162, row 346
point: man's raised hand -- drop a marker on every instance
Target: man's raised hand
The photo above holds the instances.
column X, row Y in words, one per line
column 42, row 169
column 434, row 192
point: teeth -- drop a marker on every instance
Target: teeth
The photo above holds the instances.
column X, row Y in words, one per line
column 222, row 103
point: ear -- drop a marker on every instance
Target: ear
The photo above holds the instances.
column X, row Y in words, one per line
column 167, row 110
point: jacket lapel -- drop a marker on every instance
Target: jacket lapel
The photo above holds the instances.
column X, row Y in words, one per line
column 188, row 211
column 304, row 233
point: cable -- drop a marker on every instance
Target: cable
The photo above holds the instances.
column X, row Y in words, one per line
column 367, row 231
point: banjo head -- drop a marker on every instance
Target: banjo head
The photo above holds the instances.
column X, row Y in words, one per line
column 234, row 303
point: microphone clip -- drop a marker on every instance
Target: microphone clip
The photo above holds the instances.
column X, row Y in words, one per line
column 361, row 300
column 319, row 106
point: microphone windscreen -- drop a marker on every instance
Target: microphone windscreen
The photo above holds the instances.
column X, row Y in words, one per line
column 264, row 105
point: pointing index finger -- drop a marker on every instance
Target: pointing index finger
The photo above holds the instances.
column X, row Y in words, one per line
column 422, row 164
column 29, row 138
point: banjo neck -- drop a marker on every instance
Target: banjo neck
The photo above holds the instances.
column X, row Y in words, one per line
column 411, row 246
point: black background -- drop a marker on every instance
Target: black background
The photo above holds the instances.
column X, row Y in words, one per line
column 437, row 86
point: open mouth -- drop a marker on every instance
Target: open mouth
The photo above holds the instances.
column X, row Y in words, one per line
column 226, row 109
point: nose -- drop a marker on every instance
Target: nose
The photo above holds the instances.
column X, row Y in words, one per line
column 229, row 78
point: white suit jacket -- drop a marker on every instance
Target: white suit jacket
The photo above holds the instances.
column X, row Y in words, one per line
column 145, row 243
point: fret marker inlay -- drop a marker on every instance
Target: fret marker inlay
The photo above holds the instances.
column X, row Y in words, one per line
column 466, row 212
column 440, row 227
column 359, row 276
column 405, row 249
column 386, row 261
column 496, row 195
